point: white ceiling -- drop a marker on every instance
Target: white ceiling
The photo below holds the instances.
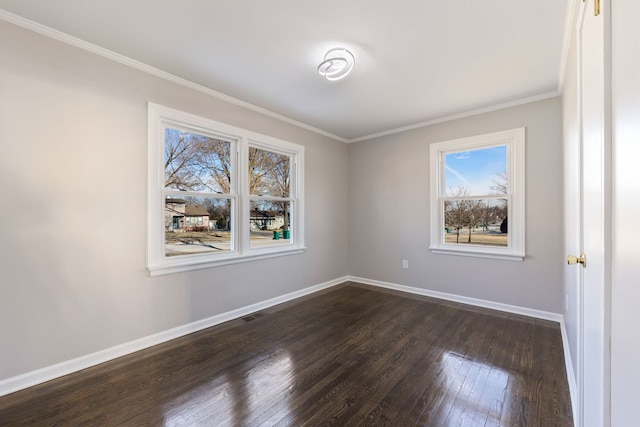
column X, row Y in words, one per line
column 416, row 60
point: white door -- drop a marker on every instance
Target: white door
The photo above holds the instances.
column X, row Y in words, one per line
column 594, row 355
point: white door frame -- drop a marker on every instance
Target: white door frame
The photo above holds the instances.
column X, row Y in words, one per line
column 593, row 37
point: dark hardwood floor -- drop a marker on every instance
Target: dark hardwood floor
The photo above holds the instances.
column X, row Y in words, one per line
column 352, row 355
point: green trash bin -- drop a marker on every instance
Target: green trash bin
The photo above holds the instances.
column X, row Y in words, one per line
column 276, row 235
column 286, row 234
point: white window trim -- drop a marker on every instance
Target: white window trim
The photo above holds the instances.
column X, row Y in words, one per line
column 514, row 139
column 157, row 263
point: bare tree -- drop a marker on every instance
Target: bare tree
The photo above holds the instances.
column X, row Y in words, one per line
column 200, row 163
column 500, row 183
column 181, row 161
column 280, row 175
column 220, row 211
column 214, row 163
column 462, row 212
column 475, row 214
column 270, row 175
column 214, row 170
column 456, row 211
column 260, row 166
column 280, row 183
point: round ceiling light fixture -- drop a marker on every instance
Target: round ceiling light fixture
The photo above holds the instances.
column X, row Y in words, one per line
column 337, row 64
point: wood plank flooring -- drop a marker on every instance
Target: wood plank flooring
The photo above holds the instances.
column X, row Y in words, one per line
column 349, row 356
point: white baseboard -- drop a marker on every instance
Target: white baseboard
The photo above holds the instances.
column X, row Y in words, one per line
column 571, row 376
column 524, row 311
column 48, row 373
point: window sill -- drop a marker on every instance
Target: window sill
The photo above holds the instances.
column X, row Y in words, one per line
column 183, row 265
column 479, row 253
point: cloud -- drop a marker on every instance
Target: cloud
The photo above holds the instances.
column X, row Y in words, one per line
column 463, row 156
column 458, row 175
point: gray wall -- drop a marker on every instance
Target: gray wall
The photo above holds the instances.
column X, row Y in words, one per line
column 73, row 144
column 73, row 138
column 389, row 212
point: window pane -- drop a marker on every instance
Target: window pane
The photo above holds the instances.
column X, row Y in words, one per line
column 479, row 172
column 269, row 173
column 270, row 223
column 196, row 162
column 476, row 222
column 196, row 225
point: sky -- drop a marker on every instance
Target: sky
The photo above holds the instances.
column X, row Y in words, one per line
column 475, row 170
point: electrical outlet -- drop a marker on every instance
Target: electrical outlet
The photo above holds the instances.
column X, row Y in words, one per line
column 405, row 263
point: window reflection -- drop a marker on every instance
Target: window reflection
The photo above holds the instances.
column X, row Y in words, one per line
column 474, row 392
column 235, row 401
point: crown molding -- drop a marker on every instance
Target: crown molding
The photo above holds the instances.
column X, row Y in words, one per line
column 130, row 62
column 140, row 66
column 449, row 118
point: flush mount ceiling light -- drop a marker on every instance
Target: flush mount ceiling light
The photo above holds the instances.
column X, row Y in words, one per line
column 337, row 64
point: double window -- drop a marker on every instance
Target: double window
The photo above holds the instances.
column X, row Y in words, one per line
column 219, row 194
column 477, row 196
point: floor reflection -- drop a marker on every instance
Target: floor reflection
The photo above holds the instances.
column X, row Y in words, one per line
column 259, row 384
column 347, row 356
column 236, row 401
column 472, row 393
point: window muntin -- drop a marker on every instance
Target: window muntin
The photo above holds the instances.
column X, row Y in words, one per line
column 205, row 216
column 477, row 196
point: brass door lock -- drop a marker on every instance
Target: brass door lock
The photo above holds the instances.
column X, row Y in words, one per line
column 582, row 259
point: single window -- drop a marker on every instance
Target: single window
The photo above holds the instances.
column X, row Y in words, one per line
column 477, row 196
column 203, row 210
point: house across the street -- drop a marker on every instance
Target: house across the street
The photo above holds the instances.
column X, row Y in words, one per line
column 266, row 220
column 181, row 216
